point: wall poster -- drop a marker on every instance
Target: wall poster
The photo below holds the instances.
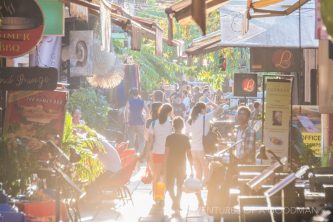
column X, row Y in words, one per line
column 277, row 116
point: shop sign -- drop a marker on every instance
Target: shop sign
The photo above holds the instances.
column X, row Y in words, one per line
column 33, row 117
column 245, row 84
column 54, row 20
column 308, row 120
column 275, row 60
column 277, row 116
column 21, row 27
column 25, row 78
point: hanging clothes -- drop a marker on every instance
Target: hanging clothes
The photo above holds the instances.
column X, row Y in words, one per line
column 105, row 20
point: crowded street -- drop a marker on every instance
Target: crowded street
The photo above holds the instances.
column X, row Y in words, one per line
column 166, row 110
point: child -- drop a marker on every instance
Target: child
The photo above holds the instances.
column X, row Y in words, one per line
column 177, row 147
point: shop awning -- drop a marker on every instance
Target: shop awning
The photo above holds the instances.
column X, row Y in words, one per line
column 181, row 11
column 205, row 44
column 268, row 31
column 128, row 23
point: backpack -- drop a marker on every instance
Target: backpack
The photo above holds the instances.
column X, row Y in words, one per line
column 210, row 140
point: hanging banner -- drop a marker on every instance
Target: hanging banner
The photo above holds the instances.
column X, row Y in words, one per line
column 245, row 84
column 24, row 78
column 54, row 20
column 277, row 116
column 21, row 27
column 47, row 53
column 308, row 121
column 35, row 116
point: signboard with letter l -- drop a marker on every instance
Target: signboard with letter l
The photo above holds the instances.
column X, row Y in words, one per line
column 245, row 84
column 276, row 60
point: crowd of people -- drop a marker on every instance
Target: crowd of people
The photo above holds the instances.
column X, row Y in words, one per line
column 168, row 131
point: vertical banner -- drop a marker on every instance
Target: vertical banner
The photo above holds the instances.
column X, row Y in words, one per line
column 47, row 53
column 35, row 116
column 308, row 120
column 277, row 116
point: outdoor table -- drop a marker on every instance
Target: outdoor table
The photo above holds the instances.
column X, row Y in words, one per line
column 8, row 214
column 43, row 210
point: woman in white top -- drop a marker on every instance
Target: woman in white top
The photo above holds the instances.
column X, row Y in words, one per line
column 159, row 130
column 195, row 131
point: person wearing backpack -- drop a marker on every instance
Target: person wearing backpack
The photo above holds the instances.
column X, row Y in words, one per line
column 197, row 125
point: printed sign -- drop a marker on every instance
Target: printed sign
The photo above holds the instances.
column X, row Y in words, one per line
column 277, row 116
column 275, row 60
column 35, row 78
column 245, row 84
column 35, row 116
column 21, row 27
column 308, row 120
column 81, row 48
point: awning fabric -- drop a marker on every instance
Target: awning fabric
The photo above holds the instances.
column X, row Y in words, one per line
column 280, row 31
column 125, row 21
column 268, row 8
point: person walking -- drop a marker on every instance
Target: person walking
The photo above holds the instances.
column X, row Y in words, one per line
column 177, row 148
column 135, row 120
column 158, row 132
column 195, row 127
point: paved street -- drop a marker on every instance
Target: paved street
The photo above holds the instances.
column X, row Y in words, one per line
column 142, row 209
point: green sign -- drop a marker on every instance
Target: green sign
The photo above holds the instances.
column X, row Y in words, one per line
column 53, row 11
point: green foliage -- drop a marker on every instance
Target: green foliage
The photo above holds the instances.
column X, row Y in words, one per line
column 17, row 164
column 84, row 141
column 93, row 105
column 155, row 70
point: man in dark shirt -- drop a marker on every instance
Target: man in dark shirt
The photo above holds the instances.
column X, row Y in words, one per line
column 177, row 148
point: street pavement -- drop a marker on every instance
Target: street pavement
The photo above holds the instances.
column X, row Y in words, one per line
column 142, row 208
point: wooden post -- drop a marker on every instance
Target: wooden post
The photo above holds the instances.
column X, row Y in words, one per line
column 170, row 27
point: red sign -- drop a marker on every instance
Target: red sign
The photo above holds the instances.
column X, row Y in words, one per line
column 21, row 27
column 245, row 84
column 35, row 116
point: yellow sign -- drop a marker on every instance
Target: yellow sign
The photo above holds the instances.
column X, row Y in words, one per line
column 308, row 120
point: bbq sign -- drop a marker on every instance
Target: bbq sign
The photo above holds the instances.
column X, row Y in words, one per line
column 275, row 59
column 245, row 84
column 21, row 27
